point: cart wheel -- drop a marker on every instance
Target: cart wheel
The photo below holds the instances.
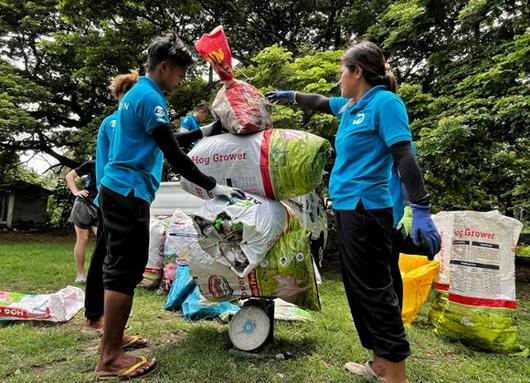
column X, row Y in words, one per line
column 249, row 328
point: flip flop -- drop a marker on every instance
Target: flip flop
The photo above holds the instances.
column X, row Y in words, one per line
column 363, row 370
column 129, row 373
column 135, row 342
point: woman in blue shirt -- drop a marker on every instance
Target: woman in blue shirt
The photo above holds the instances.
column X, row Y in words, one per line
column 373, row 134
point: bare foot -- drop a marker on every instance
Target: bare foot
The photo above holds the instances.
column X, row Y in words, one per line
column 129, row 342
column 121, row 363
column 95, row 327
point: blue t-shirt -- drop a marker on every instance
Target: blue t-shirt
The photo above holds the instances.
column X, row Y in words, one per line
column 367, row 130
column 190, row 123
column 105, row 133
column 135, row 161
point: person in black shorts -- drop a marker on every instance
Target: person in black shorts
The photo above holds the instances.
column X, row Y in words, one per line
column 142, row 137
column 84, row 213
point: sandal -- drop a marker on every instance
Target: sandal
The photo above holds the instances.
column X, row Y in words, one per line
column 131, row 372
column 135, row 342
column 363, row 370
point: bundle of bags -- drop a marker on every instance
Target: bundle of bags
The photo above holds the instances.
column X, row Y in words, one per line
column 475, row 298
column 277, row 164
column 245, row 247
column 245, row 256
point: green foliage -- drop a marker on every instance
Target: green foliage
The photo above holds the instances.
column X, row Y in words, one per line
column 463, row 67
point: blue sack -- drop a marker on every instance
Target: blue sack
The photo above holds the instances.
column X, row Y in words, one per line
column 197, row 307
column 182, row 286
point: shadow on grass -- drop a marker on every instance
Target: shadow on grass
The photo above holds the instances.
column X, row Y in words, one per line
column 212, row 341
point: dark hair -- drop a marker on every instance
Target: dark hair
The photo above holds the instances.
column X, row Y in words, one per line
column 202, row 107
column 369, row 57
column 122, row 83
column 168, row 47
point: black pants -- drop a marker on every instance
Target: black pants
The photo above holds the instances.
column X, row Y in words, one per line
column 366, row 255
column 126, row 221
column 94, row 290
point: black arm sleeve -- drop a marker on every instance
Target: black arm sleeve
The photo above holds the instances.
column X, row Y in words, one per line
column 314, row 102
column 410, row 173
column 187, row 138
column 179, row 161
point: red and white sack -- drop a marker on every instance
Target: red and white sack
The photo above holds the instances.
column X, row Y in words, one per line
column 479, row 266
column 276, row 163
column 57, row 307
column 241, row 108
column 155, row 262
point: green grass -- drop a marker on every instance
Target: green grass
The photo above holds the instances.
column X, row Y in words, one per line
column 199, row 351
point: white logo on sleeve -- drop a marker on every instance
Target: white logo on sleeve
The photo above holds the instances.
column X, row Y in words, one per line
column 358, row 119
column 160, row 114
column 113, row 123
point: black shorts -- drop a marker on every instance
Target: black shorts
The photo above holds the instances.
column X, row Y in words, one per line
column 126, row 221
column 84, row 214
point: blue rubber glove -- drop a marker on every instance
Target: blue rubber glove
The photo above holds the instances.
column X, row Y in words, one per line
column 281, row 96
column 424, row 231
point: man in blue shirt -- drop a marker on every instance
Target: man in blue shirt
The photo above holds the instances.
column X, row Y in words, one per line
column 142, row 137
column 192, row 121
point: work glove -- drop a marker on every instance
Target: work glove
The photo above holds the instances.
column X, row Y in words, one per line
column 424, row 231
column 405, row 224
column 227, row 192
column 281, row 96
column 212, row 129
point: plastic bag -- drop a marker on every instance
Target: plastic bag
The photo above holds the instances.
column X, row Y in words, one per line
column 57, row 307
column 241, row 108
column 197, row 307
column 181, row 287
column 239, row 233
column 418, row 274
column 277, row 164
column 480, row 307
column 289, row 312
column 286, row 272
column 214, row 48
column 180, row 235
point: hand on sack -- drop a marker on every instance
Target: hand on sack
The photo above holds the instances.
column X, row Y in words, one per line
column 281, row 96
column 424, row 231
column 226, row 191
column 81, row 193
column 405, row 224
column 212, row 129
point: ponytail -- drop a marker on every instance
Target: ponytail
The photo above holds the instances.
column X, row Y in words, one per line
column 390, row 78
column 122, row 83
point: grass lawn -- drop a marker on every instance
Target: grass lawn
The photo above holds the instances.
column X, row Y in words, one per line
column 198, row 351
